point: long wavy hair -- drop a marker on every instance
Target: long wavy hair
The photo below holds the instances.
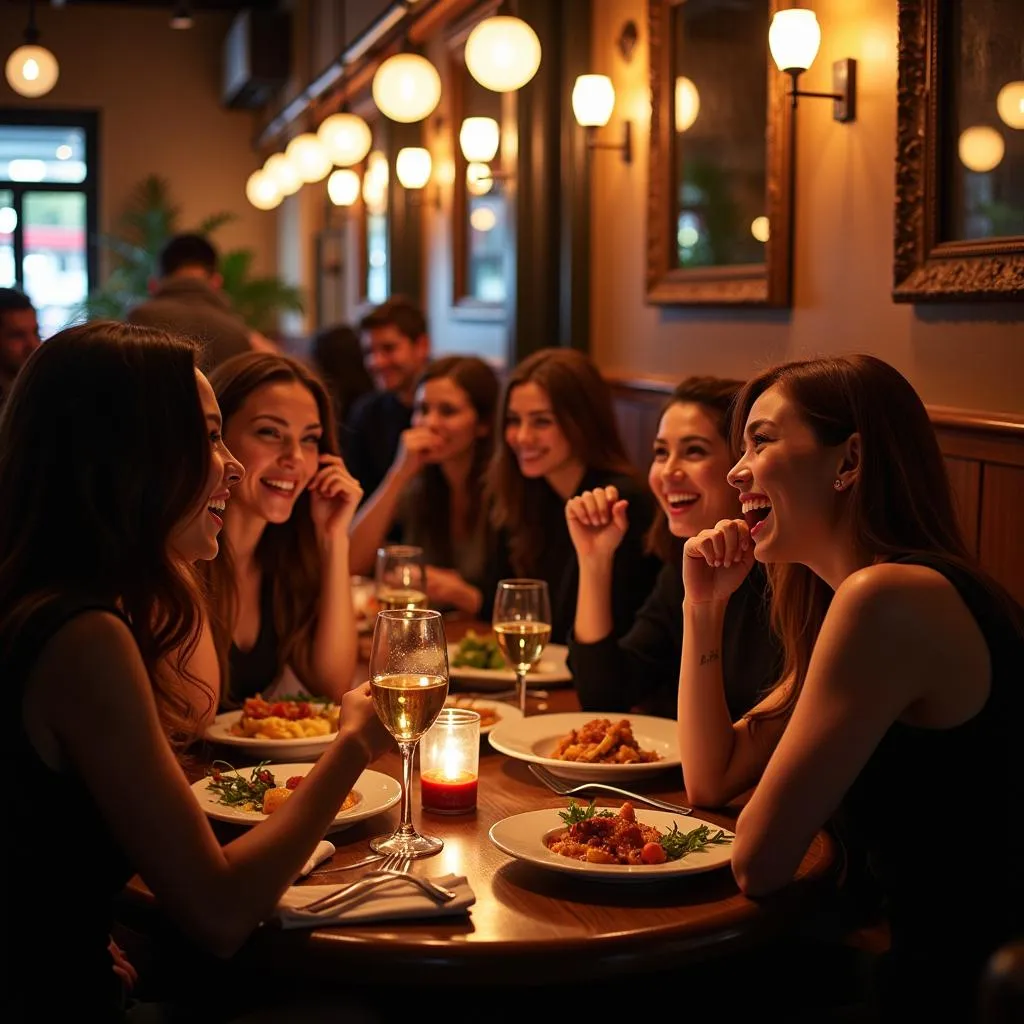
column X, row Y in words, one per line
column 287, row 553
column 429, row 494
column 103, row 452
column 900, row 504
column 715, row 395
column 582, row 404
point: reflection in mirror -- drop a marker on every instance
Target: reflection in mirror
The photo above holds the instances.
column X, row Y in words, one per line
column 984, row 171
column 375, row 204
column 719, row 67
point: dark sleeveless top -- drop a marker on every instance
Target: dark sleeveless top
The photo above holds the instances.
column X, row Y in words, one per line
column 940, row 814
column 255, row 670
column 59, row 909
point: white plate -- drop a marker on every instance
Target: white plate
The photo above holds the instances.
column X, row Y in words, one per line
column 506, row 712
column 219, row 731
column 377, row 793
column 522, row 836
column 532, row 739
column 549, row 671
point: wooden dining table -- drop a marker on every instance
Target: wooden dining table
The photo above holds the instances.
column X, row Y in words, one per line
column 527, row 921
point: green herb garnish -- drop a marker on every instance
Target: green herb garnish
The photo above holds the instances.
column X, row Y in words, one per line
column 475, row 651
column 575, row 814
column 678, row 844
column 235, row 790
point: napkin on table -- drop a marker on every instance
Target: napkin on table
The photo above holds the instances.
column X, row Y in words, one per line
column 388, row 901
column 323, row 851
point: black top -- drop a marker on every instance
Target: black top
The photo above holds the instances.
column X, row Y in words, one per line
column 373, row 431
column 56, row 935
column 641, row 671
column 633, row 573
column 940, row 813
column 255, row 670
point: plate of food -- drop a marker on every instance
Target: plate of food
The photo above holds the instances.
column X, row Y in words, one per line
column 364, row 603
column 614, row 845
column 278, row 729
column 491, row 712
column 247, row 796
column 476, row 658
column 591, row 746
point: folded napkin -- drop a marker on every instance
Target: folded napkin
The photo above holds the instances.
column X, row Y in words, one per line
column 323, row 851
column 388, row 901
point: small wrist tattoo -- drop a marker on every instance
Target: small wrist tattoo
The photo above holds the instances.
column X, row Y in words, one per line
column 708, row 656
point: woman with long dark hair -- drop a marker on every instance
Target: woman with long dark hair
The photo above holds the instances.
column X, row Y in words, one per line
column 434, row 489
column 689, row 464
column 560, row 439
column 901, row 692
column 111, row 441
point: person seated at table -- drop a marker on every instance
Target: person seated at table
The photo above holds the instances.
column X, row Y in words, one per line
column 280, row 590
column 901, row 695
column 560, row 439
column 111, row 440
column 434, row 489
column 687, row 477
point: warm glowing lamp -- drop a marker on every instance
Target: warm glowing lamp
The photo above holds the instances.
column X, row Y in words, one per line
column 343, row 187
column 502, row 53
column 307, row 155
column 593, row 99
column 760, row 228
column 31, row 69
column 1010, row 104
column 262, row 191
column 478, row 138
column 687, row 103
column 794, row 38
column 479, row 179
column 483, row 219
column 406, row 87
column 283, row 174
column 412, row 166
column 346, row 137
column 981, row 148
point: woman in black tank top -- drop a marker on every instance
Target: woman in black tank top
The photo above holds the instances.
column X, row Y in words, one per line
column 902, row 690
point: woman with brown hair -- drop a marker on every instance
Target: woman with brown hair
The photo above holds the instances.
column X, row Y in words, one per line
column 560, row 439
column 433, row 491
column 280, row 589
column 688, row 478
column 900, row 697
column 111, row 441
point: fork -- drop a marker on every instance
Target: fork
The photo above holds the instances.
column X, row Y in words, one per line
column 394, row 865
column 565, row 788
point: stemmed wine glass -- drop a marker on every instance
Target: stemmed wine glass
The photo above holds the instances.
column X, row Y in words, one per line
column 409, row 683
column 522, row 625
column 401, row 577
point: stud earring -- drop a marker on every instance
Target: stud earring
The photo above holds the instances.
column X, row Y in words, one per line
column 838, row 484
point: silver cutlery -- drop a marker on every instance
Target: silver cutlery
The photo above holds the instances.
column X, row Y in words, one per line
column 372, row 859
column 564, row 787
column 394, row 866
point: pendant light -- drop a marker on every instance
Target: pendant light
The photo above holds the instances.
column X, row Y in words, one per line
column 32, row 70
column 406, row 88
column 502, row 53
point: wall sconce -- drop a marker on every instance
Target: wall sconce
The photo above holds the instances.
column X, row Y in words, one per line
column 375, row 183
column 412, row 167
column 343, row 187
column 32, row 70
column 794, row 38
column 593, row 99
column 478, row 139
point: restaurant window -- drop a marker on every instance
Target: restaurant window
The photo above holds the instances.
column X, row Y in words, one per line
column 48, row 211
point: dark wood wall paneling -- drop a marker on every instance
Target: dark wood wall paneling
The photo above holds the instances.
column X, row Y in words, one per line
column 984, row 454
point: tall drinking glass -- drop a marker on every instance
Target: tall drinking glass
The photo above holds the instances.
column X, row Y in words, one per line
column 401, row 577
column 409, row 683
column 522, row 626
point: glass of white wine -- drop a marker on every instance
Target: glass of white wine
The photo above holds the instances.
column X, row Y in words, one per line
column 409, row 683
column 522, row 626
column 401, row 577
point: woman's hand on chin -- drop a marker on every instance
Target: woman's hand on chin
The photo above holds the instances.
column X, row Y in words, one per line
column 334, row 496
column 717, row 561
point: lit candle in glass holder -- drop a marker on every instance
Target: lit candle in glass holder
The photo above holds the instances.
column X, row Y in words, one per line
column 450, row 762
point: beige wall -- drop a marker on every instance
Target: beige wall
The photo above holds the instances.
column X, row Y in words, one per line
column 158, row 94
column 970, row 356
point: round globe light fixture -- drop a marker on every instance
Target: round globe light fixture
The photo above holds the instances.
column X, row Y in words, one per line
column 32, row 71
column 261, row 190
column 412, row 166
column 307, row 155
column 593, row 99
column 343, row 187
column 406, row 88
column 1010, row 104
column 346, row 137
column 760, row 228
column 502, row 53
column 478, row 138
column 794, row 38
column 479, row 180
column 483, row 219
column 283, row 174
column 687, row 103
column 981, row 148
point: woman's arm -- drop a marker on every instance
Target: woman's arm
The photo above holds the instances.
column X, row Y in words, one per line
column 896, row 638
column 108, row 733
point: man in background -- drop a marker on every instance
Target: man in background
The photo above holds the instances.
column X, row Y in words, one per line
column 19, row 336
column 396, row 351
column 188, row 300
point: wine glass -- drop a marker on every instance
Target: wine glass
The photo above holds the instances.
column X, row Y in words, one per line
column 401, row 577
column 409, row 683
column 522, row 625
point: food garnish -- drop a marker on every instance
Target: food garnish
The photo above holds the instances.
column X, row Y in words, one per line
column 474, row 651
column 289, row 718
column 260, row 792
column 601, row 741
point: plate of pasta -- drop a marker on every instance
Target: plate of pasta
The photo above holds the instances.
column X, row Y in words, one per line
column 247, row 796
column 280, row 730
column 591, row 746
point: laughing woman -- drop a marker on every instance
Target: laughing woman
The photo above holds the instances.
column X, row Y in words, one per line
column 901, row 696
column 280, row 587
column 560, row 439
column 688, row 478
